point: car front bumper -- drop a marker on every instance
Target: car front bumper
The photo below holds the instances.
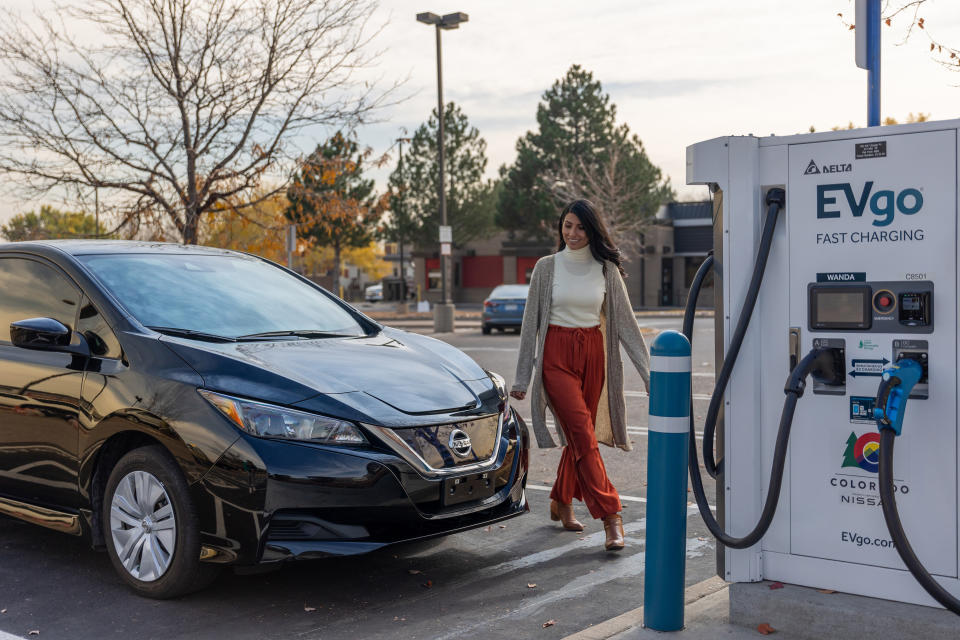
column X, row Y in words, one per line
column 268, row 501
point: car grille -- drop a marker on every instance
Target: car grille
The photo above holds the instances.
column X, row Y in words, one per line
column 437, row 444
column 441, row 449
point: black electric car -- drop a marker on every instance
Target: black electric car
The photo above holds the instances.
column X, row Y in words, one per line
column 188, row 408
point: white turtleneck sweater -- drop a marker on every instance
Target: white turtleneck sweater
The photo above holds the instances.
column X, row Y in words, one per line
column 578, row 289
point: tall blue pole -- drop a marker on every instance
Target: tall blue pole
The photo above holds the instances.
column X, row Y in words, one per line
column 668, row 443
column 873, row 63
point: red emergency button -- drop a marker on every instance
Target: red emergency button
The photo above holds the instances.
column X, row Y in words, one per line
column 884, row 301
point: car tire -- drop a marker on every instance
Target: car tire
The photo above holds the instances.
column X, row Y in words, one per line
column 151, row 527
column 485, row 329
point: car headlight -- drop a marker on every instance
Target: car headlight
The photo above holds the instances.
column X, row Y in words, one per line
column 269, row 421
column 501, row 386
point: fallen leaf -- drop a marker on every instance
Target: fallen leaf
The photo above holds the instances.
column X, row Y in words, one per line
column 503, row 526
column 765, row 629
column 776, row 585
column 309, row 609
column 427, row 584
column 701, row 538
column 414, row 572
column 826, row 591
column 531, row 585
column 548, row 623
column 34, row 632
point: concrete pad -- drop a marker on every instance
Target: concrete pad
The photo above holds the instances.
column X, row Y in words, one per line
column 706, row 611
column 810, row 613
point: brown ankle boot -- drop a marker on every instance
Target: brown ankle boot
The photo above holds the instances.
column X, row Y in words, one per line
column 613, row 526
column 564, row 513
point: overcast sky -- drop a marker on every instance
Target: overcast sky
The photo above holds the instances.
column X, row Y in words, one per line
column 679, row 71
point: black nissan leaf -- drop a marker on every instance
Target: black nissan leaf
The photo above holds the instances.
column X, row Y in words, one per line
column 188, row 408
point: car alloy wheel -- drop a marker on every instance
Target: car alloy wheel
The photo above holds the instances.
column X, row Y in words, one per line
column 143, row 525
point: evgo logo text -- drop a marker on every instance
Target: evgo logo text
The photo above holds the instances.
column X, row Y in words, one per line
column 884, row 203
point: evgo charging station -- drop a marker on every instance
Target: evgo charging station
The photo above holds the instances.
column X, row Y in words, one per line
column 847, row 242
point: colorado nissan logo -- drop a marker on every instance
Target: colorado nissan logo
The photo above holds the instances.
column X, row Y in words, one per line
column 460, row 443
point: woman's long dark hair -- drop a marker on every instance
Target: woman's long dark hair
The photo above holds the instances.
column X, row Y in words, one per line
column 601, row 246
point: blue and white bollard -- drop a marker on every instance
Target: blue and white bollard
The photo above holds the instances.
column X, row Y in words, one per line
column 669, row 439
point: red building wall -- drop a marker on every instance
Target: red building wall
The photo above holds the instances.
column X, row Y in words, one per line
column 482, row 271
column 524, row 264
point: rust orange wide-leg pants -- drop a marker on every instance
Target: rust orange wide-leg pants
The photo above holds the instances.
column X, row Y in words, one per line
column 573, row 373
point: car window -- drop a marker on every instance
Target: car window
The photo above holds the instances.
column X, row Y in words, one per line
column 103, row 342
column 510, row 291
column 31, row 289
column 225, row 295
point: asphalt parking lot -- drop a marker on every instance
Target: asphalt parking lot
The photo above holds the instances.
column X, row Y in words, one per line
column 504, row 581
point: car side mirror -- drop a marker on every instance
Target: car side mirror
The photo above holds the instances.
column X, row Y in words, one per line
column 47, row 334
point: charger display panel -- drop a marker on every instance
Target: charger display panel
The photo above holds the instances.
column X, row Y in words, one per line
column 842, row 307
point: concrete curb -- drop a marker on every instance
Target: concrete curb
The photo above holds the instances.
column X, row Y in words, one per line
column 634, row 618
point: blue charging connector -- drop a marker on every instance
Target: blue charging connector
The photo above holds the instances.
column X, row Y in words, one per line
column 898, row 380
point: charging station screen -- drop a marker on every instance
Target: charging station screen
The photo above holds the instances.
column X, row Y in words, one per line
column 840, row 307
column 834, row 308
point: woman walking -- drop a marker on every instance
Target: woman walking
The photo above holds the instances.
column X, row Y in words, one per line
column 577, row 316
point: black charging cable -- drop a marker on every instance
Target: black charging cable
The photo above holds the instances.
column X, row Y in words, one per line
column 775, row 200
column 888, row 500
column 794, row 388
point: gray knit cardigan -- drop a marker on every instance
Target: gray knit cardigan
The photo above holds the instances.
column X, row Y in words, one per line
column 619, row 327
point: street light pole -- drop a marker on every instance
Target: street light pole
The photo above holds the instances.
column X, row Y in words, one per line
column 441, row 192
column 401, row 222
column 444, row 312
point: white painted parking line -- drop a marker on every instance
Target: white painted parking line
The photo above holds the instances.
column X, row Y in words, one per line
column 7, row 636
column 644, row 394
column 631, row 428
column 624, row 498
column 642, row 431
column 691, row 506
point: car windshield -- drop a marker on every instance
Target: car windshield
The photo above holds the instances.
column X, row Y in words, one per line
column 511, row 291
column 219, row 295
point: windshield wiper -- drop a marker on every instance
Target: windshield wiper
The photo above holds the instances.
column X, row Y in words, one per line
column 190, row 333
column 297, row 333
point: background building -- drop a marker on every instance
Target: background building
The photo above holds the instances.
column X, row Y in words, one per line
column 658, row 275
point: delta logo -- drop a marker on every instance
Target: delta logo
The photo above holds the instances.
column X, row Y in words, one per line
column 813, row 169
column 863, row 452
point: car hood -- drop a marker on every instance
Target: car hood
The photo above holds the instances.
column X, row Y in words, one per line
column 410, row 373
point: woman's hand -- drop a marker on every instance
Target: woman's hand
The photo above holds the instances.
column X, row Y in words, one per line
column 519, row 395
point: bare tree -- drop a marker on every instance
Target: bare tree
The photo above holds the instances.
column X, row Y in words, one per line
column 627, row 193
column 905, row 17
column 172, row 106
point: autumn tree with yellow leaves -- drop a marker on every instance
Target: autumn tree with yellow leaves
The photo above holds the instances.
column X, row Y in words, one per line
column 261, row 230
column 330, row 201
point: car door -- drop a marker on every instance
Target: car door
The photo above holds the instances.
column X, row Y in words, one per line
column 39, row 390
